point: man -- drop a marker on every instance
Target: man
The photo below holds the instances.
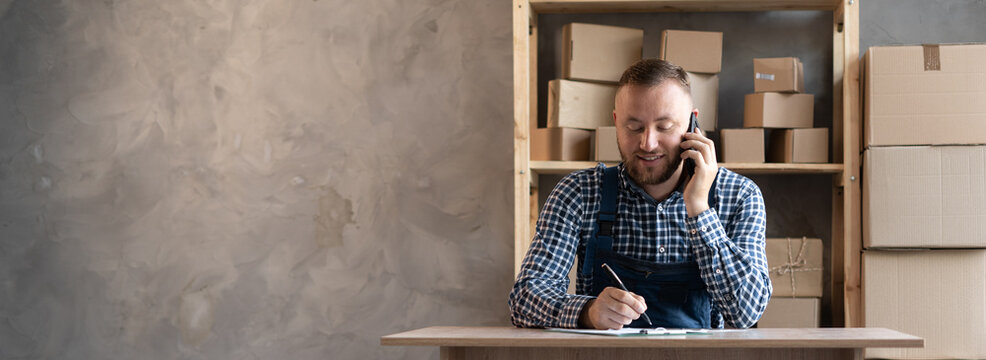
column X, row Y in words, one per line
column 690, row 248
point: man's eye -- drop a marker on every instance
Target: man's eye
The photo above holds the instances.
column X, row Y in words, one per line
column 635, row 128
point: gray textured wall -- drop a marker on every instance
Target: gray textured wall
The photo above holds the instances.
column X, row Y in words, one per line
column 251, row 179
column 277, row 179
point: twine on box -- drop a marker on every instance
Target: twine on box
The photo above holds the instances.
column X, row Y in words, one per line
column 794, row 264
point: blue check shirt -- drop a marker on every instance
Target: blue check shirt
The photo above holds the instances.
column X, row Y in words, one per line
column 727, row 241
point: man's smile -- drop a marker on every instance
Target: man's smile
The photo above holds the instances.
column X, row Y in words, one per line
column 649, row 159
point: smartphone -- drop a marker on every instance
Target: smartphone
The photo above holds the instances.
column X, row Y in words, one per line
column 689, row 163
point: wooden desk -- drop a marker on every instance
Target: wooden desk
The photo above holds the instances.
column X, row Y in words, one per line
column 458, row 342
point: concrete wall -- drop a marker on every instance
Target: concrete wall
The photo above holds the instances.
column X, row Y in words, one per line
column 251, row 179
column 277, row 179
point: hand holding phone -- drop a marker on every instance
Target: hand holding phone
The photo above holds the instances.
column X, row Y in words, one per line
column 698, row 191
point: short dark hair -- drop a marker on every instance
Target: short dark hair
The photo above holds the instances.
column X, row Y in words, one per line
column 653, row 72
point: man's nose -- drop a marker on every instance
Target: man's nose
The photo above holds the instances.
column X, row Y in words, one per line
column 650, row 141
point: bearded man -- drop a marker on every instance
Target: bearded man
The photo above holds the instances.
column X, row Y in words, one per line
column 687, row 244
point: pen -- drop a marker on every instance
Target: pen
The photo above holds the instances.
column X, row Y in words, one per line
column 612, row 275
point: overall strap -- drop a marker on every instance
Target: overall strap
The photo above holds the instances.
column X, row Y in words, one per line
column 602, row 235
column 712, row 192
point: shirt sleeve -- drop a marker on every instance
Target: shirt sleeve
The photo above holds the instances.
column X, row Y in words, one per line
column 733, row 263
column 539, row 297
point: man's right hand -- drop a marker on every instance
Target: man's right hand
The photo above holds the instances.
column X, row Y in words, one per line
column 612, row 309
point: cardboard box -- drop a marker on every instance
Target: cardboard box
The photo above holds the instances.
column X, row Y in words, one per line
column 599, row 52
column 785, row 312
column 924, row 197
column 778, row 74
column 705, row 95
column 580, row 105
column 565, row 144
column 695, row 51
column 606, row 148
column 778, row 110
column 795, row 266
column 799, row 145
column 938, row 295
column 742, row 145
column 925, row 95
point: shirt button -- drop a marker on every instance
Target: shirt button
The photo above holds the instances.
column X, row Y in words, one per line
column 660, row 208
column 718, row 271
column 703, row 228
column 660, row 249
column 693, row 231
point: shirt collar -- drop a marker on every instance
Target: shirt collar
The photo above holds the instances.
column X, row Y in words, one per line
column 629, row 183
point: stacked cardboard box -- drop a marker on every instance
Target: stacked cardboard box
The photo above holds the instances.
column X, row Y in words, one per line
column 594, row 57
column 700, row 54
column 606, row 148
column 933, row 294
column 742, row 145
column 795, row 266
column 924, row 267
column 778, row 103
column 599, row 53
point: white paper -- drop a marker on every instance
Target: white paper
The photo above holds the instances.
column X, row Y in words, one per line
column 633, row 331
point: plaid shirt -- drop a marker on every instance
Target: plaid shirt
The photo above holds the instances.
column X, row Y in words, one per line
column 727, row 241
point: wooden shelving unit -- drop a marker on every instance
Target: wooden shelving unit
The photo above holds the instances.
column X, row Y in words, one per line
column 565, row 167
column 846, row 235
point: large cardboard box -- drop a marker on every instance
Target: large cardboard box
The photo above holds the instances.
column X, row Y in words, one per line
column 795, row 266
column 580, row 105
column 599, row 52
column 924, row 197
column 778, row 74
column 565, row 144
column 938, row 295
column 799, row 146
column 705, row 95
column 695, row 51
column 785, row 312
column 778, row 110
column 606, row 148
column 742, row 145
column 925, row 95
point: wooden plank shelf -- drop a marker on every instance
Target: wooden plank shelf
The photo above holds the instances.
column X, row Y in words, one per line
column 565, row 167
column 604, row 6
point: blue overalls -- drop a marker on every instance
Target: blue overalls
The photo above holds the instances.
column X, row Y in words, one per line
column 675, row 293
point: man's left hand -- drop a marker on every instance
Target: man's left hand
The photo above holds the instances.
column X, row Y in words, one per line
column 701, row 150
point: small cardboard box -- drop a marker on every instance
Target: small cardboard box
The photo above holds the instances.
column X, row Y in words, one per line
column 795, row 266
column 778, row 74
column 580, row 105
column 565, row 144
column 742, row 145
column 785, row 312
column 924, row 197
column 599, row 52
column 778, row 110
column 705, row 95
column 938, row 295
column 606, row 148
column 799, row 146
column 925, row 95
column 694, row 51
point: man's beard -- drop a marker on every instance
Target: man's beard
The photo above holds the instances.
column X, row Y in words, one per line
column 645, row 176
